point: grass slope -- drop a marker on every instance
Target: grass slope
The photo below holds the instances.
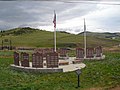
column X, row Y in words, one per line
column 97, row 74
column 28, row 37
column 101, row 35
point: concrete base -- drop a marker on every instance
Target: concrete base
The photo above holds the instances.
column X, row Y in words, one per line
column 61, row 68
column 94, row 58
column 35, row 70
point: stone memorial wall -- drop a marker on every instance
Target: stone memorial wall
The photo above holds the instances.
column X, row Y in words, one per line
column 16, row 58
column 37, row 60
column 90, row 53
column 52, row 60
column 98, row 51
column 25, row 59
column 79, row 53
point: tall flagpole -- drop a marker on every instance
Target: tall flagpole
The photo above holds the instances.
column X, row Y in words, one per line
column 54, row 21
column 55, row 38
column 85, row 46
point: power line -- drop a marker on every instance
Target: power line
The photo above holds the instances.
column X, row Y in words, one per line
column 92, row 2
column 105, row 2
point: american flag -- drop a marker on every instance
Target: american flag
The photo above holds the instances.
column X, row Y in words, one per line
column 54, row 20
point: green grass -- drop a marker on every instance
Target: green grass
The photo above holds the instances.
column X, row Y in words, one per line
column 97, row 74
column 104, row 73
column 27, row 37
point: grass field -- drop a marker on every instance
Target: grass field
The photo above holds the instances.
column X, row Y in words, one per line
column 103, row 75
column 39, row 38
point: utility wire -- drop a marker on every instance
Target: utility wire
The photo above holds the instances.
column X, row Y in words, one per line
column 93, row 2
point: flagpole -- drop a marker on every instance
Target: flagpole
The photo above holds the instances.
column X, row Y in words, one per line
column 85, row 46
column 55, row 39
column 54, row 21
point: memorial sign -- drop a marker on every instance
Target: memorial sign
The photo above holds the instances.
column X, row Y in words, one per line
column 98, row 51
column 25, row 60
column 78, row 72
column 37, row 60
column 52, row 60
column 79, row 53
column 16, row 58
column 90, row 53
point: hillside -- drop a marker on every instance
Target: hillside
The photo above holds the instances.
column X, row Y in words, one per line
column 103, row 35
column 28, row 37
column 18, row 31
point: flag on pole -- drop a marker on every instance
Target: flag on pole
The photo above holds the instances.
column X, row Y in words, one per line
column 54, row 20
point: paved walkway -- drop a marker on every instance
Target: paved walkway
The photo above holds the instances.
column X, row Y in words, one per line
column 71, row 67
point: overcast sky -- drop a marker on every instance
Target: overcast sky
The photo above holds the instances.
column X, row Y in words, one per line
column 100, row 15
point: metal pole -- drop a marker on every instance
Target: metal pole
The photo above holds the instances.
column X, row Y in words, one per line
column 54, row 21
column 2, row 44
column 55, row 38
column 78, row 80
column 2, row 38
column 85, row 38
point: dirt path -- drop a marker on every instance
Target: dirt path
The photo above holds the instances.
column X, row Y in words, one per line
column 116, row 88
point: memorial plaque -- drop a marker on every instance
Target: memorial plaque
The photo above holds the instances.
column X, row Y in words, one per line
column 98, row 51
column 63, row 52
column 78, row 71
column 37, row 60
column 52, row 60
column 90, row 53
column 79, row 53
column 16, row 58
column 52, row 50
column 25, row 59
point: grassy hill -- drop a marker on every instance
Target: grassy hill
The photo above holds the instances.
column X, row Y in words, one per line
column 28, row 37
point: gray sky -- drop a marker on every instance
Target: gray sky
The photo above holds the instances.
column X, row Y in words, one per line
column 100, row 15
